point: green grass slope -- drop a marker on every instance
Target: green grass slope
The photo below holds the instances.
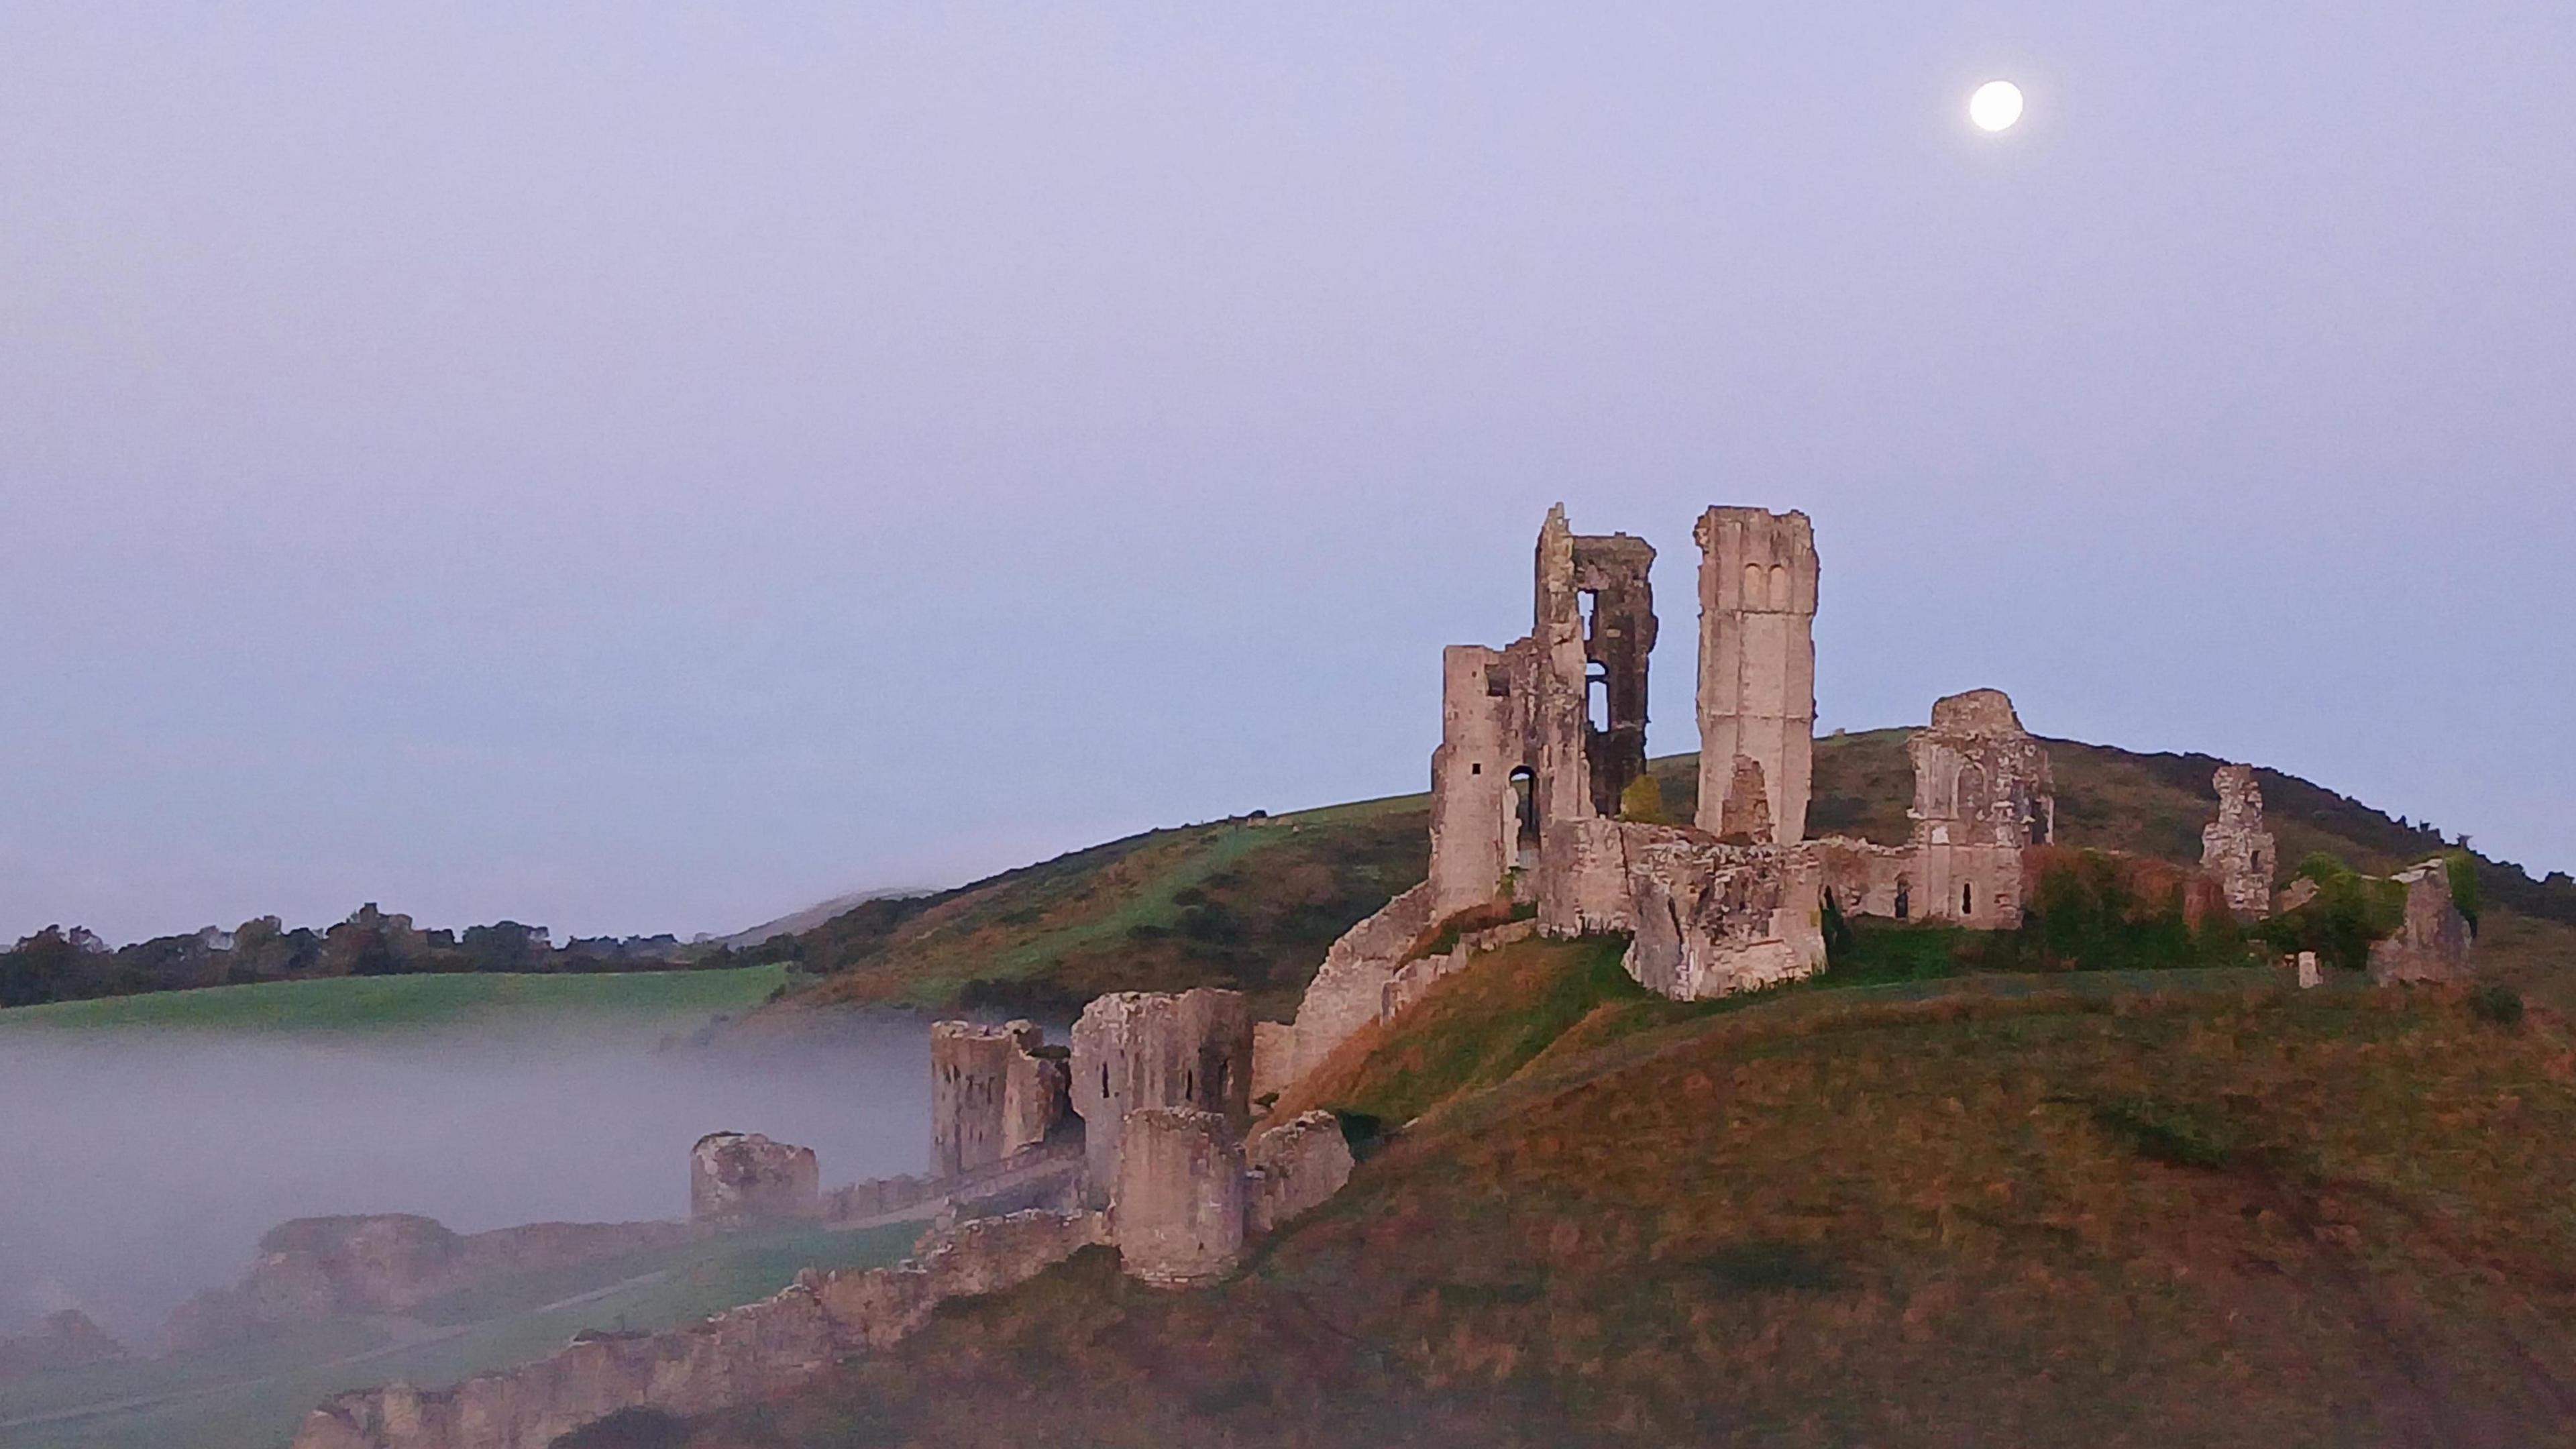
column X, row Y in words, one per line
column 1245, row 903
column 1252, row 905
column 406, row 1003
column 2211, row 1216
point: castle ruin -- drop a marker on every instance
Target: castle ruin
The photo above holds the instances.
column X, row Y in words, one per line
column 1531, row 832
column 1541, row 738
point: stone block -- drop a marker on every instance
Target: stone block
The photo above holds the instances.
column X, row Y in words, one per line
column 1294, row 1167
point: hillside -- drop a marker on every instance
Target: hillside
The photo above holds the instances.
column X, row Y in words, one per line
column 2221, row 1215
column 1252, row 902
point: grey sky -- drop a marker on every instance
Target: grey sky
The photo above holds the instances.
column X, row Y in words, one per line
column 641, row 468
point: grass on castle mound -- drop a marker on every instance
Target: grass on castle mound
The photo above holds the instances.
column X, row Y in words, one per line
column 1252, row 905
column 402, row 1003
column 2218, row 1214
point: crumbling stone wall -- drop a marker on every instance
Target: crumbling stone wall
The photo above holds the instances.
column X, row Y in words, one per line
column 1869, row 879
column 733, row 1358
column 2433, row 944
column 2235, row 849
column 876, row 1197
column 1415, row 978
column 1178, row 1212
column 1757, row 674
column 745, row 1178
column 1292, row 1168
column 1274, row 1059
column 994, row 1091
column 1139, row 1049
column 1034, row 1177
column 1348, row 988
column 1982, row 793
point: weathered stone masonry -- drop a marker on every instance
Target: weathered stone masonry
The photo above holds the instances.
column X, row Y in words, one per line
column 1757, row 674
column 994, row 1091
column 2235, row 849
column 1982, row 794
column 2433, row 943
column 1138, row 1049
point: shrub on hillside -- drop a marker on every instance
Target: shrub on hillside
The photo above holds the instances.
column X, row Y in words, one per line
column 2091, row 911
column 2348, row 913
column 2499, row 1005
column 2463, row 871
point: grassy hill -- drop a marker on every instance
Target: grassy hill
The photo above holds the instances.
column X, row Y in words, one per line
column 1251, row 903
column 2220, row 1214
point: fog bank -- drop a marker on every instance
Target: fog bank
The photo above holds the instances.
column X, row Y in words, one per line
column 141, row 1167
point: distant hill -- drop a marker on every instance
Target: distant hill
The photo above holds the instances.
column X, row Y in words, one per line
column 1252, row 902
column 798, row 922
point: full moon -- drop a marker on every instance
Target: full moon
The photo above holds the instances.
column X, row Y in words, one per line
column 1995, row 106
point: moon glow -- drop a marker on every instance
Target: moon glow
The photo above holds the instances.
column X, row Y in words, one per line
column 1995, row 106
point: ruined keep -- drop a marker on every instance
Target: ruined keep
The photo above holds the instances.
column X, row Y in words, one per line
column 1757, row 674
column 2235, row 849
column 994, row 1091
column 1138, row 1049
column 1549, row 729
column 1539, row 742
column 1982, row 793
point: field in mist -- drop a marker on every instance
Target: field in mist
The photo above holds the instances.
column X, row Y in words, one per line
column 143, row 1163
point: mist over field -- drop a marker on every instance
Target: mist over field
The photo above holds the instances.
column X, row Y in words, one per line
column 139, row 1167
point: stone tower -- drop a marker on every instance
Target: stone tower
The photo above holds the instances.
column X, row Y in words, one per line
column 1757, row 673
column 2235, row 849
